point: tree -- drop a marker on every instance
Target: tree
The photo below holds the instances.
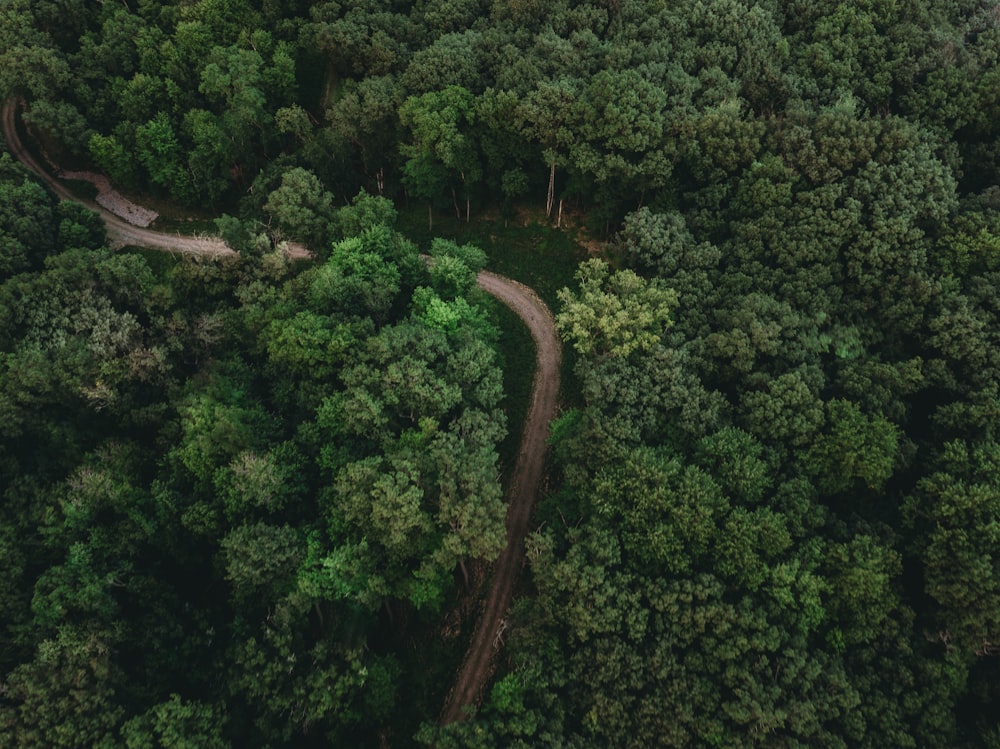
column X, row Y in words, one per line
column 952, row 512
column 453, row 268
column 261, row 561
column 27, row 220
column 443, row 147
column 365, row 119
column 79, row 227
column 723, row 141
column 502, row 144
column 234, row 81
column 425, row 399
column 863, row 595
column 308, row 346
column 451, row 60
column 738, row 462
column 217, row 423
column 65, row 696
column 668, row 512
column 262, row 484
column 292, row 683
column 622, row 134
column 63, row 121
column 547, row 116
column 32, row 63
column 355, row 279
column 177, row 724
column 615, row 314
column 365, row 212
column 756, row 334
column 744, row 41
column 787, row 411
column 303, row 209
column 212, row 155
column 159, row 150
column 845, row 50
column 856, row 446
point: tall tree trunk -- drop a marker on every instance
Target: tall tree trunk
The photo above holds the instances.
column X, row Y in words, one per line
column 559, row 222
column 430, row 217
column 550, row 197
column 454, row 201
column 468, row 209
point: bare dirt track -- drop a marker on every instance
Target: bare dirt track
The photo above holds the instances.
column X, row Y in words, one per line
column 524, row 487
column 120, row 232
column 477, row 667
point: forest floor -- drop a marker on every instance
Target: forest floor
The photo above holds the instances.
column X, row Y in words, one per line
column 480, row 659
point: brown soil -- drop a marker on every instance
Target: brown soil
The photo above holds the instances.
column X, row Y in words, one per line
column 480, row 659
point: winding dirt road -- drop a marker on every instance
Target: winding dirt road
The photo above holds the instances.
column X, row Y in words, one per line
column 523, row 490
column 120, row 232
column 526, row 480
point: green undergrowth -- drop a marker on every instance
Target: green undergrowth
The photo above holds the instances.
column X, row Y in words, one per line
column 517, row 352
column 82, row 189
column 193, row 226
column 536, row 255
column 160, row 262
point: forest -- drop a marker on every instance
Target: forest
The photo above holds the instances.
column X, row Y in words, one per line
column 241, row 497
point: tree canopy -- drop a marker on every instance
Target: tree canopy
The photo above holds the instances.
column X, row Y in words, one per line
column 238, row 495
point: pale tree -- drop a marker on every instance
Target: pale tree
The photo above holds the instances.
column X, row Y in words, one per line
column 615, row 313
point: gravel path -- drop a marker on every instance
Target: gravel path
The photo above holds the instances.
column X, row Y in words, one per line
column 108, row 197
column 480, row 661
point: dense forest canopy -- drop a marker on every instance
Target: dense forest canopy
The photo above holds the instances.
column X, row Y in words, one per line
column 238, row 495
column 227, row 481
column 620, row 104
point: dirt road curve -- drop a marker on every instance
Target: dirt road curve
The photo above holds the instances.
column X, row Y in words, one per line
column 524, row 486
column 120, row 232
column 526, row 481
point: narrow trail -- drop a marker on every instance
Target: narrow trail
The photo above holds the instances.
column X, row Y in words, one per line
column 524, row 487
column 479, row 662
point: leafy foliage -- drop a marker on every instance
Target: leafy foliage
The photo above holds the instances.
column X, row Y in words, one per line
column 236, row 494
column 231, row 490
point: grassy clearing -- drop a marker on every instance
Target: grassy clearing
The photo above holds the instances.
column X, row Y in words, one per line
column 82, row 189
column 187, row 226
column 536, row 255
column 174, row 217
